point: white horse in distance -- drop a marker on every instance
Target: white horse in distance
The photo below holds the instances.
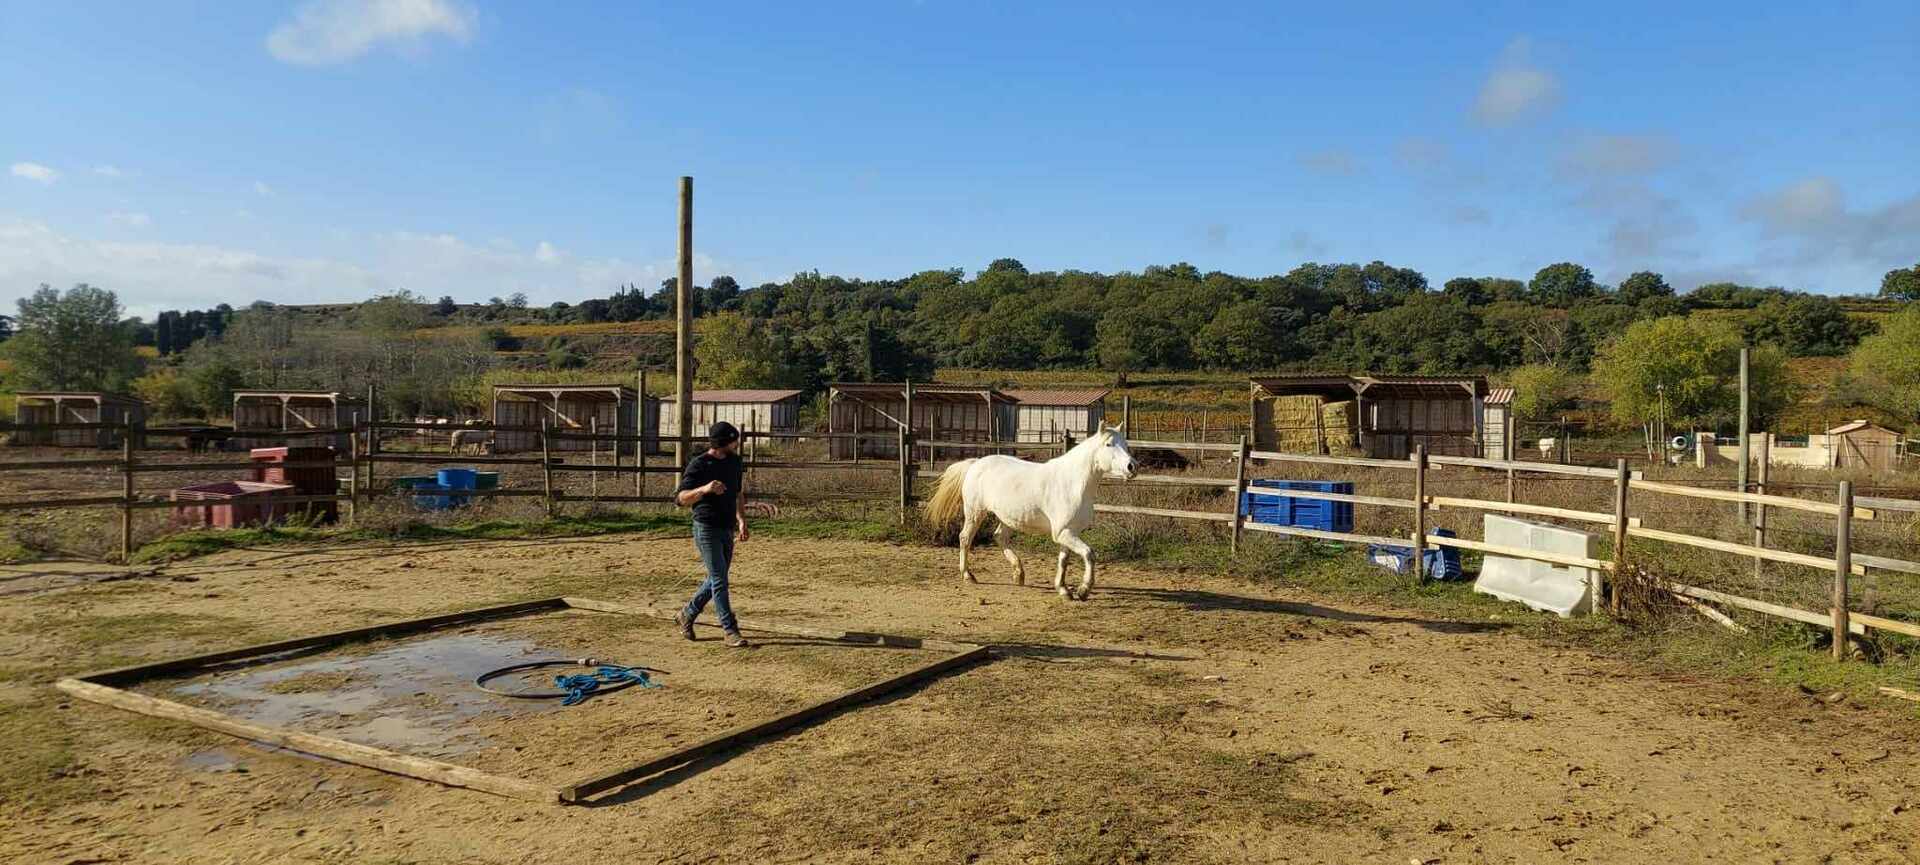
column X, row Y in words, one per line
column 1054, row 498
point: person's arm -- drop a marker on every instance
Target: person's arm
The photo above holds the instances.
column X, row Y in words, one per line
column 740, row 510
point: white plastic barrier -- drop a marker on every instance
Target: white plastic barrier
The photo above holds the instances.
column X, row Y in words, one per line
column 1554, row 588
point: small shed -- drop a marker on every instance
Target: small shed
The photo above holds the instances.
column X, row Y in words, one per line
column 1387, row 418
column 1046, row 415
column 1497, row 423
column 76, row 407
column 752, row 410
column 612, row 409
column 946, row 413
column 259, row 411
column 1864, row 445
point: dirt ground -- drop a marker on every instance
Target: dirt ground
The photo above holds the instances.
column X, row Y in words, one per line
column 1172, row 718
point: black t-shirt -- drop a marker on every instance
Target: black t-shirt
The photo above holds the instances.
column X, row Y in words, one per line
column 715, row 510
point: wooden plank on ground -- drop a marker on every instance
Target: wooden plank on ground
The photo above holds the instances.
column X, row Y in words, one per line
column 585, row 787
column 407, row 626
column 1821, row 619
column 307, row 743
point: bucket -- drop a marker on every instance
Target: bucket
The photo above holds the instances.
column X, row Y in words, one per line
column 486, row 480
column 456, row 479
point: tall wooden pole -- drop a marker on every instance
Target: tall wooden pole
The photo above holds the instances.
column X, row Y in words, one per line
column 1511, row 431
column 906, row 474
column 1420, row 514
column 1842, row 566
column 1744, row 451
column 908, row 415
column 683, row 330
column 593, row 458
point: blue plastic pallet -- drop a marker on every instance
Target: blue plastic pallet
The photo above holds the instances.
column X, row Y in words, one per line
column 1273, row 508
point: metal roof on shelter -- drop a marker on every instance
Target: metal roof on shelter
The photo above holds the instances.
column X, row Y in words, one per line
column 1856, row 426
column 921, row 392
column 1085, row 396
column 333, row 395
column 102, row 395
column 740, row 395
column 1334, row 384
column 1500, row 396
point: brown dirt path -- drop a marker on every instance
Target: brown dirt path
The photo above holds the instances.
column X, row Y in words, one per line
column 1172, row 718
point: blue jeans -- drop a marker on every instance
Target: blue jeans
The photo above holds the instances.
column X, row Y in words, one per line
column 716, row 552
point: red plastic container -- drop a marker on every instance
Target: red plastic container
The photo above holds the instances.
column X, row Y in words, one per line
column 310, row 481
column 227, row 504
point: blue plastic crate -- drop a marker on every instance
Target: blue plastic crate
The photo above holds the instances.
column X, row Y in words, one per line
column 1443, row 563
column 1276, row 509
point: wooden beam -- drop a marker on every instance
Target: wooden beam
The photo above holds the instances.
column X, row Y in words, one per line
column 1770, row 609
column 1520, row 508
column 307, row 743
column 585, row 787
column 1518, row 553
column 1162, row 512
column 1859, row 513
column 1740, row 549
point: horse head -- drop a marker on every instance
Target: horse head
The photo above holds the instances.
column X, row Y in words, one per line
column 1110, row 455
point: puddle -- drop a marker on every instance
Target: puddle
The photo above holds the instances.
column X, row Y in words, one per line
column 417, row 696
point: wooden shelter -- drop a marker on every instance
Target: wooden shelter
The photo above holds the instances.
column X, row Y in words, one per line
column 1497, row 423
column 946, row 413
column 1047, row 415
column 76, row 407
column 1864, row 445
column 1388, row 417
column 752, row 410
column 276, row 411
column 611, row 409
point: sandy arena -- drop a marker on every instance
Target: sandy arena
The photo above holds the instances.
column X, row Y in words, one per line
column 1173, row 718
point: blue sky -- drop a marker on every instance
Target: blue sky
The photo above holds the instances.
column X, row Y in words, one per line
column 186, row 154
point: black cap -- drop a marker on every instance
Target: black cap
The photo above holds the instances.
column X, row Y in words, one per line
column 722, row 434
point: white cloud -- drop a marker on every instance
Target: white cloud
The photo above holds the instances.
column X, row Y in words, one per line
column 1517, row 88
column 129, row 219
column 34, row 171
column 545, row 252
column 1816, row 224
column 108, row 171
column 323, row 32
column 1594, row 156
column 261, row 188
column 1332, row 162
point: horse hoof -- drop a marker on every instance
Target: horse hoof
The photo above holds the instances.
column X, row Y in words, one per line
column 969, row 576
column 1019, row 579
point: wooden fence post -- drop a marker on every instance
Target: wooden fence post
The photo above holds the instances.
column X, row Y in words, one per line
column 640, row 447
column 1622, row 481
column 1759, row 510
column 1842, row 564
column 593, row 458
column 906, row 474
column 546, row 465
column 1420, row 514
column 126, row 496
column 1512, row 430
column 1240, row 495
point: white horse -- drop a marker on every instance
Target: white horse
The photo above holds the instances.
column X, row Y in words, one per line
column 1054, row 498
column 477, row 439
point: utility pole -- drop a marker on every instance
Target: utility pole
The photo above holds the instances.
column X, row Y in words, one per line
column 683, row 330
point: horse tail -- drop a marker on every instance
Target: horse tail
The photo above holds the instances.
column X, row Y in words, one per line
column 944, row 509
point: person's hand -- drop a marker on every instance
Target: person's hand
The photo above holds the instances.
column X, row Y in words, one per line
column 714, row 488
column 740, row 537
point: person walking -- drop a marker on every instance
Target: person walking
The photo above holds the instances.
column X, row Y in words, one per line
column 714, row 487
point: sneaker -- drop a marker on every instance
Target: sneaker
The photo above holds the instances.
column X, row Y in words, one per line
column 685, row 622
column 735, row 641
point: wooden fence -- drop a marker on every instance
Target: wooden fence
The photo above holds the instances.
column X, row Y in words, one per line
column 365, row 459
